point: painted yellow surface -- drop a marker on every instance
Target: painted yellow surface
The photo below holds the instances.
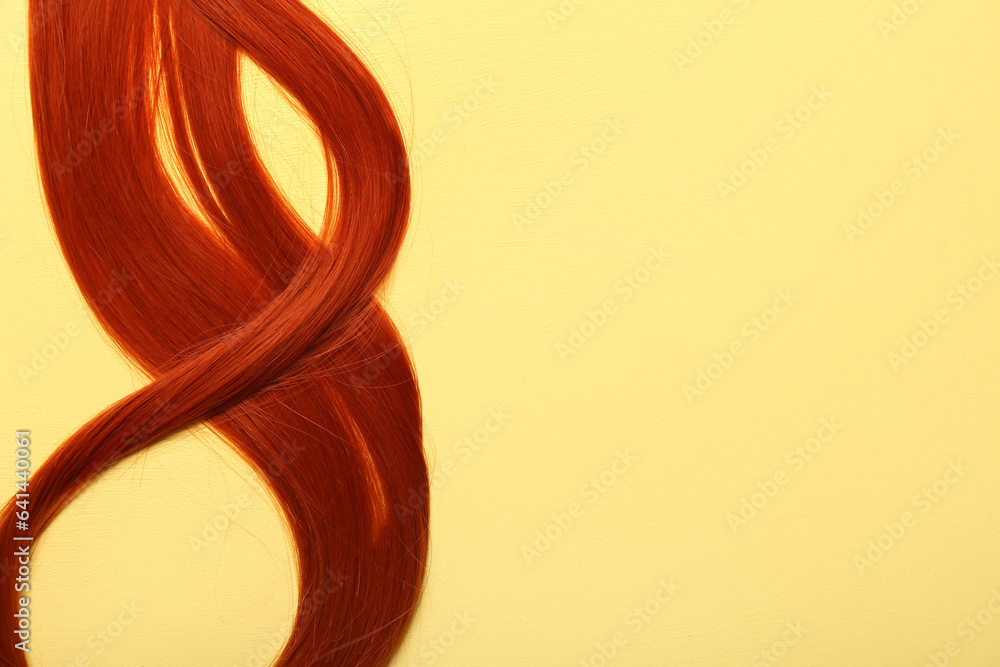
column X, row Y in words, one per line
column 703, row 299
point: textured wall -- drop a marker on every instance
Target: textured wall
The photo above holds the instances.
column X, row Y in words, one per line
column 704, row 307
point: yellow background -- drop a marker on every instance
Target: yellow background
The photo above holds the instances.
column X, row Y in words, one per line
column 556, row 74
